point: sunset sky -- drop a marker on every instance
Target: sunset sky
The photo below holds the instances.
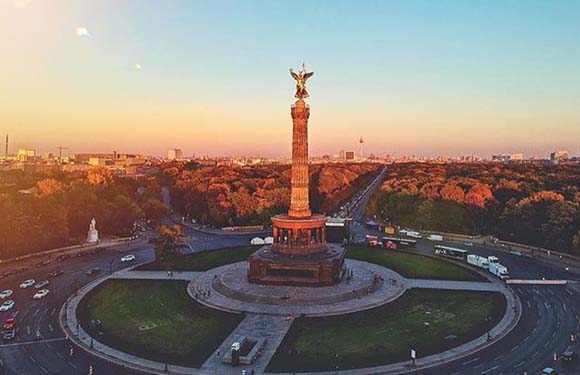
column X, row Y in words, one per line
column 211, row 77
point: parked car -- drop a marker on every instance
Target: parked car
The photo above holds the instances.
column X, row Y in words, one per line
column 9, row 323
column 128, row 258
column 41, row 294
column 548, row 371
column 42, row 283
column 93, row 271
column 7, row 305
column 27, row 283
column 9, row 334
column 6, row 293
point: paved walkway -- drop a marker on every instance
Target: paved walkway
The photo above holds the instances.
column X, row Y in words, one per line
column 155, row 275
column 454, row 285
column 271, row 327
column 275, row 327
column 231, row 292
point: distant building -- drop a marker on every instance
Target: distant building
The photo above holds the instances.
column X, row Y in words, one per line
column 341, row 155
column 25, row 154
column 557, row 156
column 101, row 162
column 517, row 157
column 349, row 155
column 502, row 158
column 174, row 154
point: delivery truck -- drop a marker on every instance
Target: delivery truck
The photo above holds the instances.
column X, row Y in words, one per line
column 499, row 270
column 478, row 261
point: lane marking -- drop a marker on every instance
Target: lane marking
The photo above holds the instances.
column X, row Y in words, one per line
column 520, row 364
column 50, row 327
column 515, row 348
column 489, row 369
column 43, row 369
column 72, row 365
column 36, row 313
column 52, row 311
column 32, row 359
column 28, row 329
column 470, row 361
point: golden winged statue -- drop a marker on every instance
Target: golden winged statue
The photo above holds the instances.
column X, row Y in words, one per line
column 301, row 78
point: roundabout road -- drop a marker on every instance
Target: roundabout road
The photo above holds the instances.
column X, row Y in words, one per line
column 25, row 355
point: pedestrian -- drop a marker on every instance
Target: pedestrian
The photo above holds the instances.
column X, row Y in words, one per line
column 209, row 293
column 168, row 273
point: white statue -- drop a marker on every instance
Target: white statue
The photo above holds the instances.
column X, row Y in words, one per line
column 93, row 233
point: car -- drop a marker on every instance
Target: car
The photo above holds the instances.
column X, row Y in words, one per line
column 128, row 258
column 27, row 283
column 7, row 305
column 569, row 355
column 9, row 334
column 468, row 243
column 62, row 258
column 42, row 283
column 56, row 273
column 93, row 271
column 41, row 294
column 9, row 323
column 548, row 371
column 6, row 293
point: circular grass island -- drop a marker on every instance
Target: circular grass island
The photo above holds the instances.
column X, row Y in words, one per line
column 157, row 319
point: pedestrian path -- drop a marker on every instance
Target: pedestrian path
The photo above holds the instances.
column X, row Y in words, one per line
column 271, row 327
column 156, row 275
column 454, row 285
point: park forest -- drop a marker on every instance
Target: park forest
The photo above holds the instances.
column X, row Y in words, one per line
column 45, row 211
column 535, row 205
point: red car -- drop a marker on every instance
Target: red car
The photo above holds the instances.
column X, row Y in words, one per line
column 9, row 323
column 390, row 245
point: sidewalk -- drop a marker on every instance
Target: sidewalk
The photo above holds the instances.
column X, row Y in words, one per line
column 156, row 275
column 274, row 328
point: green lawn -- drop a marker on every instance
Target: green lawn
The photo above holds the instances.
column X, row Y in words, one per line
column 156, row 320
column 205, row 260
column 413, row 265
column 386, row 334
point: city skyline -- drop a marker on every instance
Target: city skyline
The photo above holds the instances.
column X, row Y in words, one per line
column 411, row 78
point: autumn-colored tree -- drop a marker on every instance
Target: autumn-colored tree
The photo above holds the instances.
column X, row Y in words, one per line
column 169, row 244
column 48, row 187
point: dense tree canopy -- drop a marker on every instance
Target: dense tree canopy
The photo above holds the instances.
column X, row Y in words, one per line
column 538, row 205
column 251, row 195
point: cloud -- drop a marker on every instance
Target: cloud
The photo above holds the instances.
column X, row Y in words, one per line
column 82, row 32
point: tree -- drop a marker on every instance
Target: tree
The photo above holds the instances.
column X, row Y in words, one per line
column 169, row 244
column 154, row 209
column 48, row 187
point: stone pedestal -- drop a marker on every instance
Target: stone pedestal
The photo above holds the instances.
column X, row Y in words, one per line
column 93, row 233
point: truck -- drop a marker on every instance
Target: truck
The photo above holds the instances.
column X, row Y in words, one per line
column 492, row 259
column 435, row 237
column 499, row 270
column 478, row 261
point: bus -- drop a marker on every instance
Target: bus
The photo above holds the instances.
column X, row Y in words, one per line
column 451, row 252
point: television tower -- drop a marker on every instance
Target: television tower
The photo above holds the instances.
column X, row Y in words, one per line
column 360, row 141
column 6, row 149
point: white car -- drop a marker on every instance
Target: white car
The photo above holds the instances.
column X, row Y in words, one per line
column 42, row 283
column 27, row 283
column 41, row 294
column 7, row 305
column 128, row 258
column 5, row 294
